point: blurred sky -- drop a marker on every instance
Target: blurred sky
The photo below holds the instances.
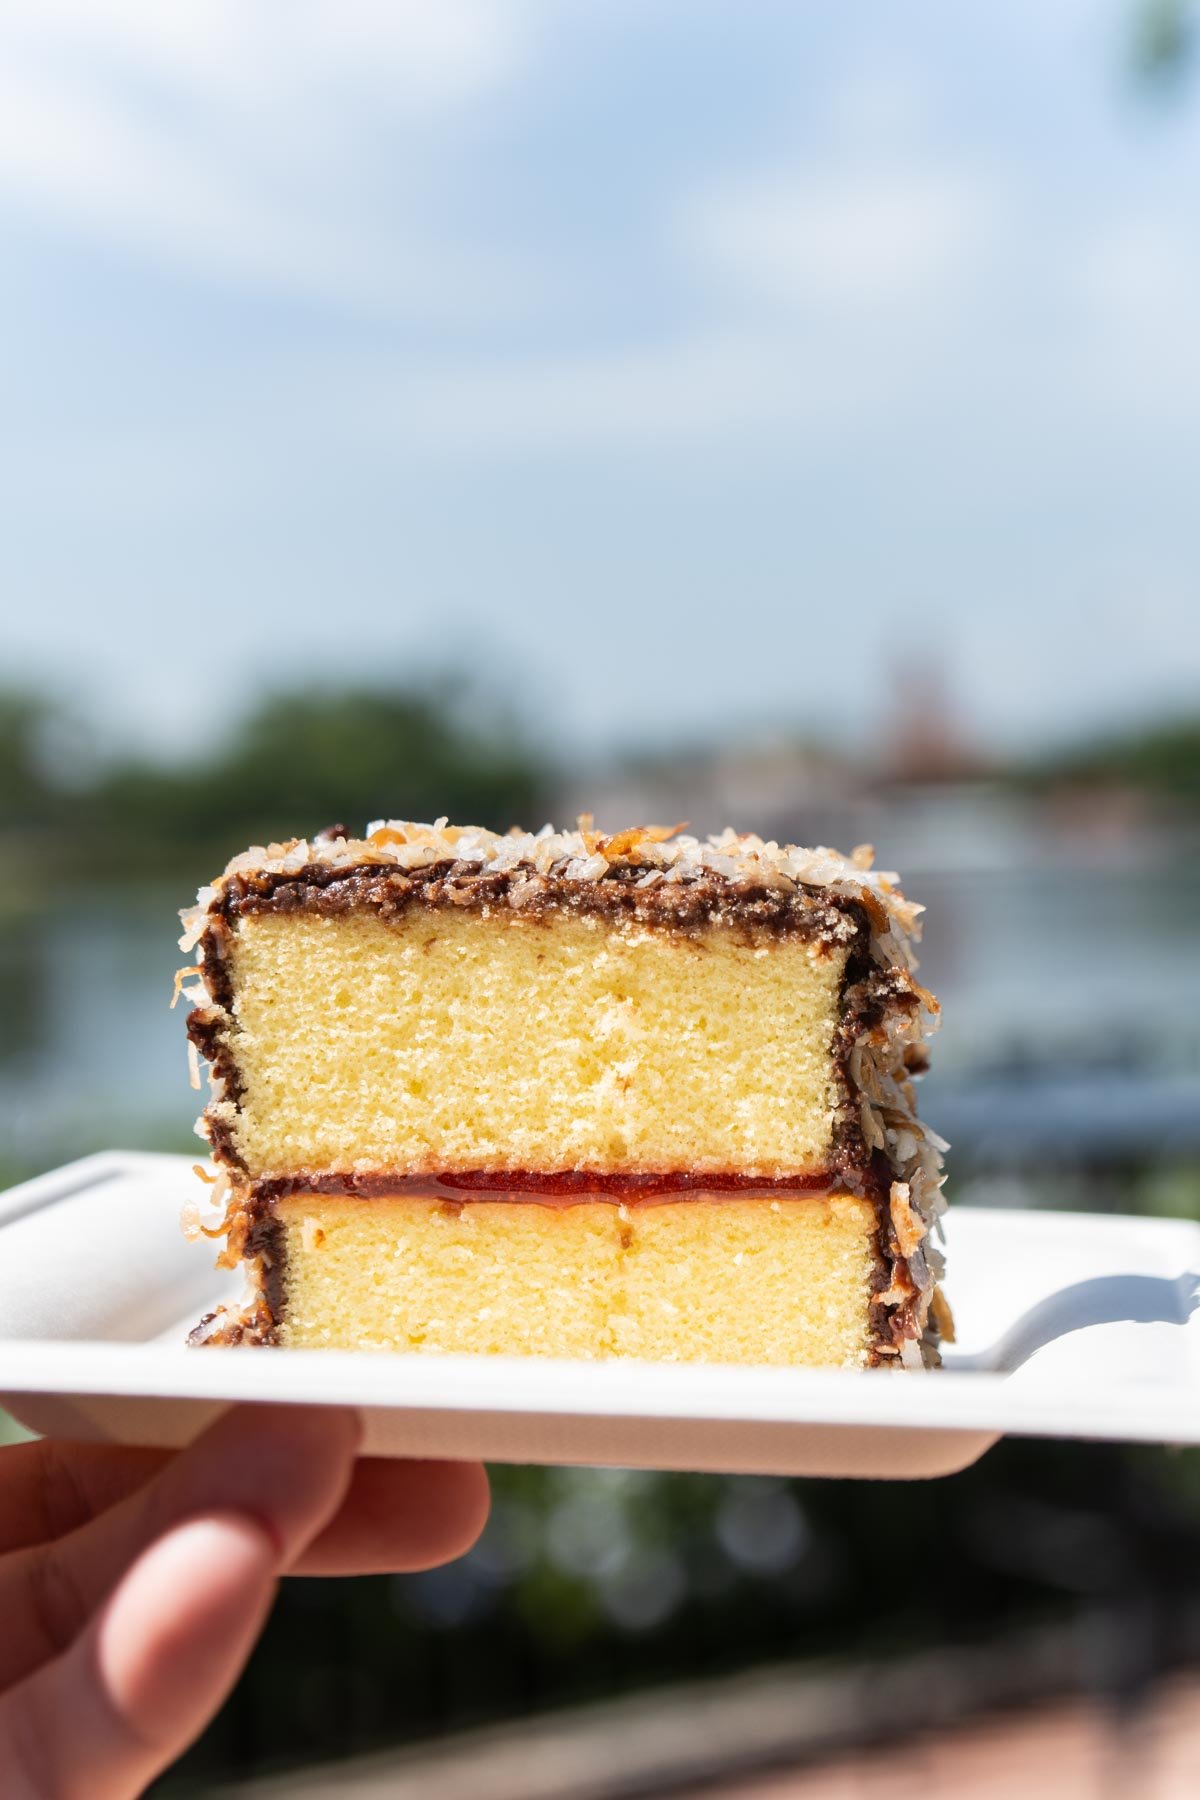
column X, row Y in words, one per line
column 655, row 359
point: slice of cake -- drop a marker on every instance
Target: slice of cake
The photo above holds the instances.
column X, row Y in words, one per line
column 569, row 1095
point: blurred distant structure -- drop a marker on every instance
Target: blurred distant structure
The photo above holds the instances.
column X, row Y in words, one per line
column 924, row 792
column 793, row 788
column 924, row 739
column 783, row 788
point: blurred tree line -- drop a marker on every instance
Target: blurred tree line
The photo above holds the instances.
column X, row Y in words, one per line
column 314, row 755
column 300, row 760
column 1162, row 760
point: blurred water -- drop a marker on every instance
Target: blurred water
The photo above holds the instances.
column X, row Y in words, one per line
column 90, row 1053
column 1091, row 973
column 1093, row 965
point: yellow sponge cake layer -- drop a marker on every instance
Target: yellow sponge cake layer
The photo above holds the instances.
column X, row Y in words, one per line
column 756, row 1280
column 449, row 1039
column 750, row 1280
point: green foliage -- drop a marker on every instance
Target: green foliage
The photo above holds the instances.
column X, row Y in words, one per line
column 25, row 797
column 301, row 760
column 307, row 758
column 1163, row 759
column 1163, row 40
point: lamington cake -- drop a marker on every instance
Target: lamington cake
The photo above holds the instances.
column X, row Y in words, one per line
column 567, row 1094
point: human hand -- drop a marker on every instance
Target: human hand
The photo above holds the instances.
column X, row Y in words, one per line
column 133, row 1583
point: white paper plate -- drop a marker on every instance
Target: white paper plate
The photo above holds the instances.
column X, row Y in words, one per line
column 1070, row 1325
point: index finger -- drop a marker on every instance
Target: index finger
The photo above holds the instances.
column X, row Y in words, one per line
column 288, row 1467
column 49, row 1489
column 397, row 1515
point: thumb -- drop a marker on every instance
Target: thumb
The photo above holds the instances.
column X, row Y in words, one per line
column 138, row 1685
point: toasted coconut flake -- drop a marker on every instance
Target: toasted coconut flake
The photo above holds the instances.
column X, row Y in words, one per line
column 898, row 1294
column 195, row 1226
column 587, row 868
column 190, row 972
column 624, row 846
column 909, row 1228
column 941, row 1315
column 522, row 893
column 194, row 920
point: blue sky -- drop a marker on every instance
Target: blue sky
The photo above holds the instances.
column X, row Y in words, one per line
column 650, row 362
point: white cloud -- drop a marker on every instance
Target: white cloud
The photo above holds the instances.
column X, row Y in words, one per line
column 1131, row 285
column 881, row 102
column 864, row 237
column 727, row 391
column 423, row 52
column 668, row 392
column 1140, row 272
column 265, row 146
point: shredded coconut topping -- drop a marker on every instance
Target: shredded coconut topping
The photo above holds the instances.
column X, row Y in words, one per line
column 586, row 855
